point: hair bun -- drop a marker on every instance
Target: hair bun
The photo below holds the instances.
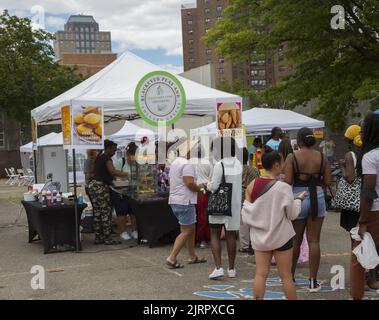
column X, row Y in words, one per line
column 309, row 140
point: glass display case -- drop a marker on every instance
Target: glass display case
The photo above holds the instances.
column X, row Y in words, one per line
column 143, row 177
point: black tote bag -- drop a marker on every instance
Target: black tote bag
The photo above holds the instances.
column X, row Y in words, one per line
column 220, row 201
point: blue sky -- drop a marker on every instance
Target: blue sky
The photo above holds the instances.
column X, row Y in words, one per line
column 150, row 29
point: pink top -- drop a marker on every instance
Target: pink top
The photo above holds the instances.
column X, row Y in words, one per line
column 269, row 217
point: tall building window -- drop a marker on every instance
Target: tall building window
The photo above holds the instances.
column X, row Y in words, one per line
column 254, row 72
column 219, row 8
column 206, row 30
column 190, row 31
column 221, row 71
column 206, row 1
column 192, row 60
column 207, row 20
column 189, row 22
column 207, row 10
column 208, row 52
column 219, row 18
column 262, row 82
column 191, row 42
column 2, row 130
column 221, row 60
column 254, row 82
column 209, row 61
column 191, row 50
column 262, row 72
column 189, row 13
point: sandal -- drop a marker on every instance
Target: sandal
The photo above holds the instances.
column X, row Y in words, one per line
column 197, row 260
column 174, row 265
column 243, row 250
column 112, row 242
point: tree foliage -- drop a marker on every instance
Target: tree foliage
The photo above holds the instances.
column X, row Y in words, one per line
column 335, row 68
column 29, row 76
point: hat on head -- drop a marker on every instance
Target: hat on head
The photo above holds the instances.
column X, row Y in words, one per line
column 353, row 133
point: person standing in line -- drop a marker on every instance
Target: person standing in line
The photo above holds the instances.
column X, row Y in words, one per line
column 204, row 171
column 257, row 144
column 352, row 169
column 276, row 138
column 268, row 210
column 100, row 194
column 369, row 207
column 309, row 170
column 183, row 200
column 226, row 149
column 328, row 146
column 249, row 173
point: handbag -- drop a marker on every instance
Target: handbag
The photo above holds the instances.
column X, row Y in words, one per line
column 348, row 196
column 220, row 201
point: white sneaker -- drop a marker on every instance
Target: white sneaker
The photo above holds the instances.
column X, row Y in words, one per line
column 232, row 273
column 135, row 235
column 125, row 236
column 314, row 286
column 217, row 273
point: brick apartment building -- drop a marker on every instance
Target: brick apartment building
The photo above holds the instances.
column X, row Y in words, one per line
column 83, row 45
column 197, row 19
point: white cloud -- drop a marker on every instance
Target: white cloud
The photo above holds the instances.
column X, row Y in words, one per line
column 55, row 22
column 135, row 24
column 171, row 68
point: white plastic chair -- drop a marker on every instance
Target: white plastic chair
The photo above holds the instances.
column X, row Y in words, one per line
column 9, row 176
column 22, row 177
column 16, row 177
column 29, row 175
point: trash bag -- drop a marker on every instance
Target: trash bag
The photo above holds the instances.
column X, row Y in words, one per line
column 366, row 252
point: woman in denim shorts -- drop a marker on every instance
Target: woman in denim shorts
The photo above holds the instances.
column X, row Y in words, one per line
column 308, row 170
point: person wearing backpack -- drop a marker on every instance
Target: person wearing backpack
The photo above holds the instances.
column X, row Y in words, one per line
column 269, row 209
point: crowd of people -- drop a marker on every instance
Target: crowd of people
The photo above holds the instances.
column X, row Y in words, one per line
column 277, row 202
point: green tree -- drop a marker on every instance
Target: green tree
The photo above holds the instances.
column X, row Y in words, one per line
column 29, row 76
column 335, row 68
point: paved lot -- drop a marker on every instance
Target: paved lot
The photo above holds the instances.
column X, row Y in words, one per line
column 130, row 271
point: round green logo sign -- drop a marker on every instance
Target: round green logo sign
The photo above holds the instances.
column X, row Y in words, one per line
column 160, row 98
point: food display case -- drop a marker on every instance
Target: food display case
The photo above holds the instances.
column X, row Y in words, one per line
column 144, row 177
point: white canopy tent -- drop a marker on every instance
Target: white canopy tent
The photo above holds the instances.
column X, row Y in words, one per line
column 131, row 132
column 114, row 88
column 260, row 121
column 50, row 139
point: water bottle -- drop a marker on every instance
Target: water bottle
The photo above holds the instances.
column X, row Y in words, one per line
column 59, row 199
column 43, row 199
column 54, row 200
column 80, row 199
column 48, row 198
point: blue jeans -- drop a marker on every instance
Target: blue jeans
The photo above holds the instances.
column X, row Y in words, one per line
column 186, row 214
column 306, row 204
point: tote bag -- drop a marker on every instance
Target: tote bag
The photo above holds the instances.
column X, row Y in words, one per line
column 348, row 195
column 220, row 201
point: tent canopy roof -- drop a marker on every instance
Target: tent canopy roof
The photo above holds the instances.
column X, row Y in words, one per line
column 131, row 132
column 262, row 120
column 50, row 139
column 114, row 87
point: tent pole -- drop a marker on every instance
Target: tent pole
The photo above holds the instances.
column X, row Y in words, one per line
column 75, row 203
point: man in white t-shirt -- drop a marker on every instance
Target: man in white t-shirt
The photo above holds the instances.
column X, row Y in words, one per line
column 369, row 211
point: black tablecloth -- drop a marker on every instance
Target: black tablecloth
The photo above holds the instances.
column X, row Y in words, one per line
column 154, row 217
column 55, row 225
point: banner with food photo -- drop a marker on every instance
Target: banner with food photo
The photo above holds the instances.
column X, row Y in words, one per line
column 87, row 123
column 66, row 124
column 229, row 119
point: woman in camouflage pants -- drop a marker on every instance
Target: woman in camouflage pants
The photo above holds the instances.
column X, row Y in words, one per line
column 100, row 193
